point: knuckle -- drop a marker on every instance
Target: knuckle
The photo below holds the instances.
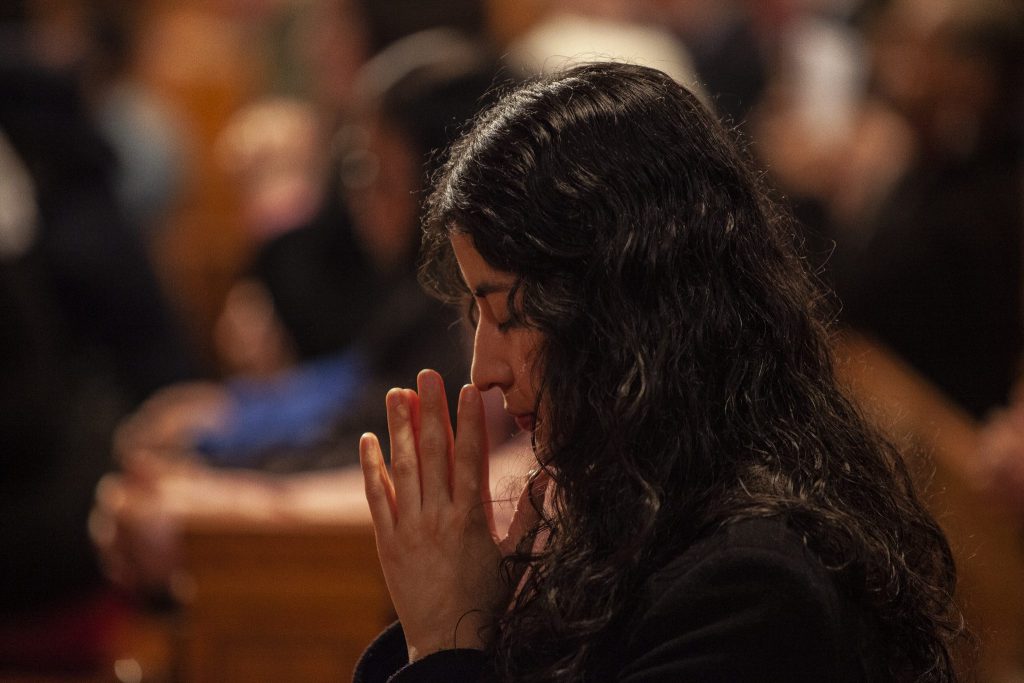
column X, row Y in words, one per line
column 469, row 446
column 375, row 492
column 404, row 467
column 433, row 440
column 467, row 481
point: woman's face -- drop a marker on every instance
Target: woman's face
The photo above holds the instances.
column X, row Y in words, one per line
column 503, row 351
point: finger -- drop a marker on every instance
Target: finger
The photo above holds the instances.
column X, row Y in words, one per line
column 413, row 400
column 404, row 466
column 380, row 494
column 435, row 439
column 470, row 473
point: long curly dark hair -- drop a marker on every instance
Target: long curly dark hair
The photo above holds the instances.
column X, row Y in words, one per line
column 686, row 377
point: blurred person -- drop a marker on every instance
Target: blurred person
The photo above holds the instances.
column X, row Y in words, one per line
column 149, row 139
column 729, row 55
column 565, row 32
column 56, row 419
column 192, row 439
column 306, row 258
column 926, row 210
column 279, row 150
column 86, row 336
column 813, row 102
column 277, row 153
column 108, row 296
column 919, row 230
column 388, row 21
column 97, row 41
column 912, row 200
column 922, row 239
column 414, row 95
column 933, row 268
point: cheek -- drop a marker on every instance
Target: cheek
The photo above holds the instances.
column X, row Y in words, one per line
column 527, row 363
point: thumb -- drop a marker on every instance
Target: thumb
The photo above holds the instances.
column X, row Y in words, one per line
column 526, row 514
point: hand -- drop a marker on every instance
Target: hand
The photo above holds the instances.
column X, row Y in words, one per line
column 434, row 527
column 167, row 422
column 999, row 466
column 135, row 534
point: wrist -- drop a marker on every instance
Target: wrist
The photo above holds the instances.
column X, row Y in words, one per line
column 472, row 631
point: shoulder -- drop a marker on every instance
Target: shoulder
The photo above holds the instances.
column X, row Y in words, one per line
column 750, row 602
column 757, row 543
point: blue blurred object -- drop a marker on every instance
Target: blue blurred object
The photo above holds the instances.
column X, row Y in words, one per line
column 295, row 409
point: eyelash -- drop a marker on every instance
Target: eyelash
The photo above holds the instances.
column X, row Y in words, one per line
column 473, row 315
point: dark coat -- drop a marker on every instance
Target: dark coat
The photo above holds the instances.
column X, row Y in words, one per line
column 749, row 603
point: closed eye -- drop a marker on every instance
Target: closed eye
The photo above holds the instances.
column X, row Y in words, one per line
column 472, row 312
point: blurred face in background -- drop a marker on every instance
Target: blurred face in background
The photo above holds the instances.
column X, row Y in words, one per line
column 921, row 68
column 381, row 181
column 333, row 43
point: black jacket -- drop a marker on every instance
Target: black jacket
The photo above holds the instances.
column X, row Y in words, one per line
column 749, row 603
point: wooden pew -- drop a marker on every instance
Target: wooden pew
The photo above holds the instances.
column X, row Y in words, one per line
column 287, row 587
column 278, row 601
column 940, row 442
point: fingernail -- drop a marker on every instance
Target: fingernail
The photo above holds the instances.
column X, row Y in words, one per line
column 364, row 447
column 432, row 383
column 469, row 394
column 396, row 401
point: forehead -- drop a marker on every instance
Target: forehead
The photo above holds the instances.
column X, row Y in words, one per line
column 480, row 277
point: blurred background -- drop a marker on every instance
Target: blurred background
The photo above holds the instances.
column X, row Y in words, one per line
column 208, row 239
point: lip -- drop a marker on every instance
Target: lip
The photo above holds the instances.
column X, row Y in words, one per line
column 525, row 422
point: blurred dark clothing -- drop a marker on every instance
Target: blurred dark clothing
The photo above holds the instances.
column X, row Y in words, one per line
column 84, row 336
column 91, row 261
column 731, row 65
column 390, row 20
column 747, row 602
column 324, row 289
column 308, row 427
column 937, row 274
column 358, row 332
column 359, row 329
column 56, row 418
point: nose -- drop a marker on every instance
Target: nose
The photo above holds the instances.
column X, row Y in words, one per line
column 490, row 367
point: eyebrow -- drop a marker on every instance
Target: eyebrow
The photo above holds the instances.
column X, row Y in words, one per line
column 487, row 288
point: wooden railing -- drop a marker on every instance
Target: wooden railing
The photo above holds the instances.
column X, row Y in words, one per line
column 278, row 601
